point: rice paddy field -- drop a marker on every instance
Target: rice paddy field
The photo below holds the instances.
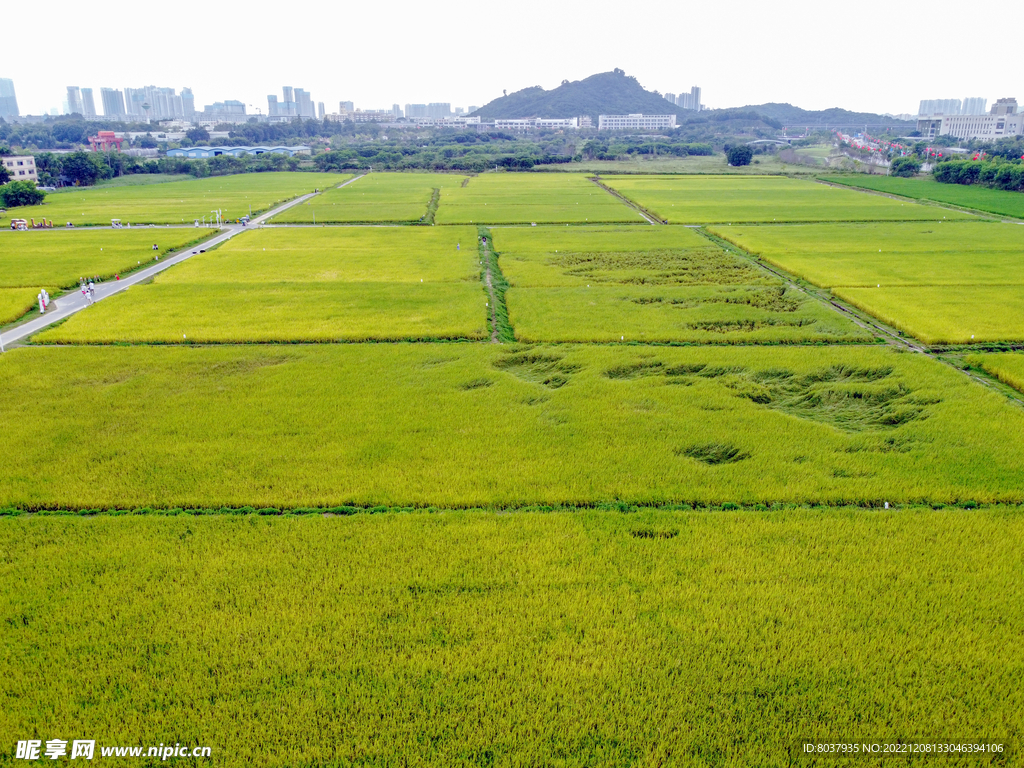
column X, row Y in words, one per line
column 467, row 638
column 284, row 285
column 661, row 284
column 15, row 302
column 1008, row 367
column 57, row 259
column 739, row 199
column 742, row 526
column 472, row 424
column 944, row 283
column 998, row 201
column 525, row 198
column 176, row 202
column 375, row 197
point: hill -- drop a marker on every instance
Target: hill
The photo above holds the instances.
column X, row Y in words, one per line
column 608, row 93
column 787, row 114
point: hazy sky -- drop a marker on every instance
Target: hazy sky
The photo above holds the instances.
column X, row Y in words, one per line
column 466, row 52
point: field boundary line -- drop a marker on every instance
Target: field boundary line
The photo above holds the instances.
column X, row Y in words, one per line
column 501, row 329
column 651, row 218
column 74, row 302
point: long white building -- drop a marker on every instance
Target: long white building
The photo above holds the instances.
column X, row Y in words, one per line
column 534, row 123
column 627, row 122
column 1002, row 122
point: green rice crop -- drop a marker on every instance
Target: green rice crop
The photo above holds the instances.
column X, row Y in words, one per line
column 482, row 424
column 736, row 199
column 376, row 197
column 468, row 638
column 659, row 284
column 1008, row 367
column 176, row 202
column 998, row 201
column 276, row 285
column 954, row 282
column 58, row 259
column 524, row 198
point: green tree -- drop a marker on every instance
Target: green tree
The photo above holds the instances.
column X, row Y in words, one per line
column 20, row 193
column 905, row 166
column 196, row 135
column 80, row 168
column 5, row 176
column 741, row 155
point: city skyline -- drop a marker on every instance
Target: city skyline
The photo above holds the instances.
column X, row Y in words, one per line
column 816, row 63
column 165, row 103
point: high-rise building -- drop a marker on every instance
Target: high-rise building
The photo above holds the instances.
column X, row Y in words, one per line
column 471, row 110
column 75, row 100
column 939, row 107
column 188, row 104
column 670, row 97
column 974, row 105
column 229, row 111
column 415, row 110
column 88, row 105
column 164, row 103
column 438, row 109
column 346, row 106
column 321, row 110
column 8, row 101
column 113, row 102
column 396, row 110
column 295, row 103
column 689, row 100
column 304, row 103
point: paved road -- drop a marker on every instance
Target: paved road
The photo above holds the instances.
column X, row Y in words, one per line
column 72, row 302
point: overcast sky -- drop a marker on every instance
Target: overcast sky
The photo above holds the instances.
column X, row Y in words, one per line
column 466, row 52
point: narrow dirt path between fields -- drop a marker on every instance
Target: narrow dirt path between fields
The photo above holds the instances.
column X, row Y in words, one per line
column 650, row 217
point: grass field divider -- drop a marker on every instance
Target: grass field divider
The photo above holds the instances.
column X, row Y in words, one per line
column 496, row 285
column 651, row 218
column 435, row 198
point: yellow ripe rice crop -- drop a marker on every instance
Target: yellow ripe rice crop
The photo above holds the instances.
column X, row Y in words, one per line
column 175, row 202
column 474, row 424
column 470, row 638
column 660, row 284
column 735, row 199
column 524, row 198
column 945, row 283
column 376, row 197
column 279, row 285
